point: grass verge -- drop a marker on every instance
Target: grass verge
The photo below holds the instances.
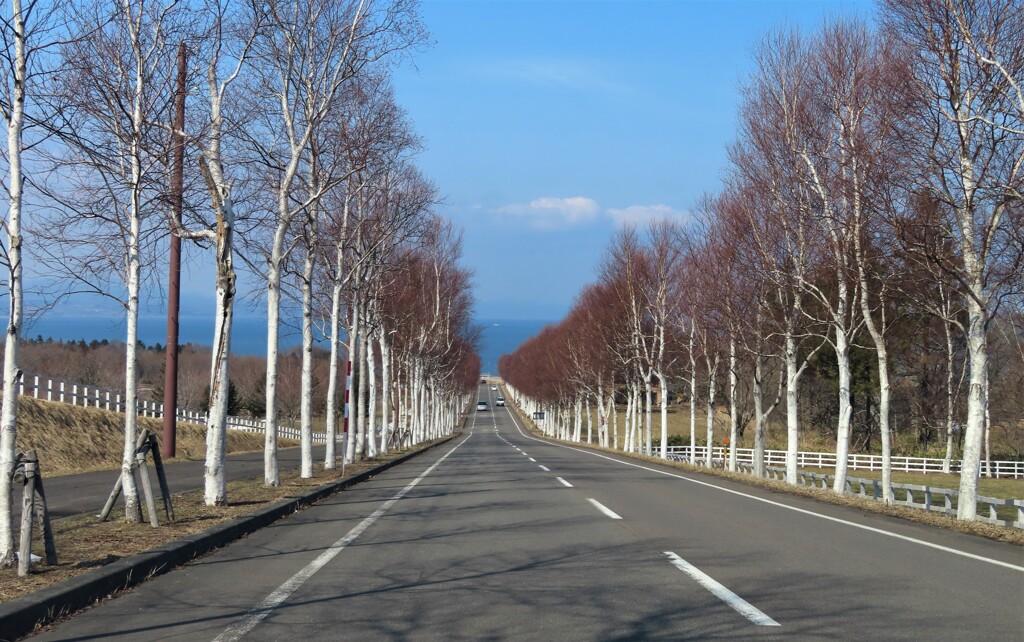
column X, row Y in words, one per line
column 70, row 439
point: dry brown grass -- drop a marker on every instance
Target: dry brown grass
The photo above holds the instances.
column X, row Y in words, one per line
column 71, row 439
column 991, row 531
column 84, row 543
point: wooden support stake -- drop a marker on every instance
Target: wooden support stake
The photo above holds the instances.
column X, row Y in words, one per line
column 147, row 488
column 43, row 517
column 161, row 476
column 27, row 514
column 114, row 494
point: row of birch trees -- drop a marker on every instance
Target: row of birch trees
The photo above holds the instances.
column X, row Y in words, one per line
column 297, row 167
column 874, row 190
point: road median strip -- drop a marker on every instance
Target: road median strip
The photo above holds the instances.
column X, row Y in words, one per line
column 22, row 615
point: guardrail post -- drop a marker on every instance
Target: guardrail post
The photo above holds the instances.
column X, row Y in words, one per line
column 62, row 392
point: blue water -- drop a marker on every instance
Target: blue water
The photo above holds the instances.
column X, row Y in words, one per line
column 503, row 337
column 249, row 337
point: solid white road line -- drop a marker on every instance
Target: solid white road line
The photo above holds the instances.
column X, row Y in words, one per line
column 604, row 509
column 835, row 520
column 249, row 621
column 545, row 468
column 741, row 606
column 566, row 484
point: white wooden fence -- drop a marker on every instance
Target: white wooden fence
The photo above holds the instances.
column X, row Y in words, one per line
column 1001, row 469
column 94, row 397
column 922, row 497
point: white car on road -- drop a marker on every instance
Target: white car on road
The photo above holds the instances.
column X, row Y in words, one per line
column 500, row 401
column 481, row 405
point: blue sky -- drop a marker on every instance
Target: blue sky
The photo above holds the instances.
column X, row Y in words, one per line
column 547, row 124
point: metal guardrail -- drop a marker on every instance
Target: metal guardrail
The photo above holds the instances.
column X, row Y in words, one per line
column 1001, row 469
column 95, row 397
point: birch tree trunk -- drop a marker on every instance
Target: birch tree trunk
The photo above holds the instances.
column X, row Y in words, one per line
column 271, row 473
column 330, row 449
column 12, row 339
column 759, row 432
column 792, row 410
column 385, row 390
column 371, row 420
column 354, row 403
column 845, row 410
column 590, row 421
column 733, row 417
column 947, row 460
column 693, row 400
column 711, row 411
column 884, row 388
column 132, row 506
column 663, row 385
column 215, row 479
column 306, row 402
column 647, row 416
column 362, row 406
column 977, row 402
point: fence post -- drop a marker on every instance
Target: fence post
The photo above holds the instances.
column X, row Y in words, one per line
column 62, row 392
column 74, row 394
column 107, row 402
column 49, row 389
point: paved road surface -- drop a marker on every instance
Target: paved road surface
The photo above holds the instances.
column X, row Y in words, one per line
column 87, row 492
column 499, row 536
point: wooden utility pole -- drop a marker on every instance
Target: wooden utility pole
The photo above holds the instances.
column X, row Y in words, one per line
column 174, row 280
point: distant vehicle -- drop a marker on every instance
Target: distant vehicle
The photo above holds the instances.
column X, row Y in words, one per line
column 481, row 405
column 483, row 381
column 500, row 401
column 493, row 387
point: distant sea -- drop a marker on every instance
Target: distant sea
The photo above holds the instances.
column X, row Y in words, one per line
column 500, row 336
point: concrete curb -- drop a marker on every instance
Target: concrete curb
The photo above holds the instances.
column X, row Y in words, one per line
column 22, row 615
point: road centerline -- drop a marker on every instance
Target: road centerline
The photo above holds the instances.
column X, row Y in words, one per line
column 835, row 520
column 737, row 603
column 604, row 509
column 564, row 483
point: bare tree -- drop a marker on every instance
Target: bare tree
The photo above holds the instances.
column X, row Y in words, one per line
column 116, row 86
column 27, row 29
column 968, row 61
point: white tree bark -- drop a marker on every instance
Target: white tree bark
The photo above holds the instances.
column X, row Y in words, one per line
column 663, row 387
column 733, row 410
column 693, row 397
column 385, row 390
column 306, row 402
column 712, row 371
column 371, row 369
column 9, row 414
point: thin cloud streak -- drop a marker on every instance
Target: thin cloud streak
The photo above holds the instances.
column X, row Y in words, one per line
column 570, row 74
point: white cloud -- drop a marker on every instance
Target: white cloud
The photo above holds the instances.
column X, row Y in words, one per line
column 643, row 214
column 551, row 212
column 587, row 75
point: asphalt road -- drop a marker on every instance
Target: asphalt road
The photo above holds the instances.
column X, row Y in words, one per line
column 87, row 492
column 499, row 536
